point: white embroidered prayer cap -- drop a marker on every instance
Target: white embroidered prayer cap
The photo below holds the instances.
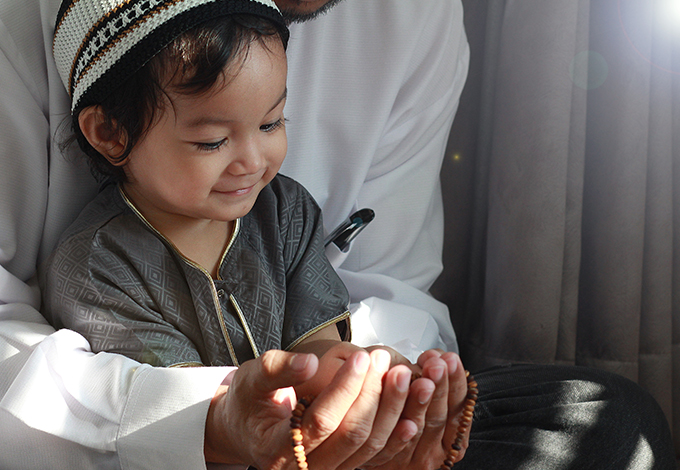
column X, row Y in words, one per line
column 99, row 43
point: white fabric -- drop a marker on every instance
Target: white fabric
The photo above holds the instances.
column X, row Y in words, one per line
column 382, row 95
column 368, row 126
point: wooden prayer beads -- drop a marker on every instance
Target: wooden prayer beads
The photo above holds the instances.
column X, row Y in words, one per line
column 465, row 422
column 456, row 447
column 296, row 431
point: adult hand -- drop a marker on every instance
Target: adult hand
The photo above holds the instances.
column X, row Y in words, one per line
column 248, row 421
column 435, row 404
column 373, row 424
column 250, row 411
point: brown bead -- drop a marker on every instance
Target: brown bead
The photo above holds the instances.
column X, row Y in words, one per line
column 306, row 401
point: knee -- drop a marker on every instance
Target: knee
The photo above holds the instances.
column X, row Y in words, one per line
column 634, row 419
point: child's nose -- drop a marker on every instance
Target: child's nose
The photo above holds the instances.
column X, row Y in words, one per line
column 248, row 160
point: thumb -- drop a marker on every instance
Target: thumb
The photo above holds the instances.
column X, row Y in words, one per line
column 254, row 408
column 280, row 369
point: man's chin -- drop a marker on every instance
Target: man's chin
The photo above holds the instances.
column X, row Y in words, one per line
column 297, row 11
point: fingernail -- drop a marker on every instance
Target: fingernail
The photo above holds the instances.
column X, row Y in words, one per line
column 362, row 361
column 436, row 373
column 410, row 432
column 424, row 396
column 381, row 360
column 451, row 362
column 299, row 361
column 403, row 381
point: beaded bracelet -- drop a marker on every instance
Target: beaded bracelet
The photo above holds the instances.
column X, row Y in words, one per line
column 456, row 447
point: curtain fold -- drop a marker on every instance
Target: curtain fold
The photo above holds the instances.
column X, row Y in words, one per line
column 562, row 190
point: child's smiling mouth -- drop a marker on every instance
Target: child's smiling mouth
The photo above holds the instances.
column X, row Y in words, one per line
column 235, row 192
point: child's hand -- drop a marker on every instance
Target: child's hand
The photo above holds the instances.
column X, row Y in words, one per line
column 329, row 363
column 397, row 358
column 335, row 356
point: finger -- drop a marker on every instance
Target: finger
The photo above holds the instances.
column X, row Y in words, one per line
column 279, row 369
column 356, row 427
column 267, row 380
column 458, row 390
column 396, row 358
column 262, row 387
column 258, row 402
column 410, row 426
column 328, row 410
column 329, row 364
column 436, row 369
column 390, row 434
column 430, row 353
column 429, row 448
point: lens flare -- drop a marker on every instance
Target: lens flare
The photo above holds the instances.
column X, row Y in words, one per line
column 653, row 30
column 670, row 12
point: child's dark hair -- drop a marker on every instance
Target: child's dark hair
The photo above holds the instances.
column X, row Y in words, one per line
column 198, row 58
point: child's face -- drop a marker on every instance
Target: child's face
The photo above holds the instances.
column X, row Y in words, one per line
column 208, row 156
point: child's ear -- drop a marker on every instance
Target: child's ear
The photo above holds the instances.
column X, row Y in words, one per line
column 99, row 133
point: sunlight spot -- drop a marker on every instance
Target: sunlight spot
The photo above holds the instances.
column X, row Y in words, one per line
column 7, row 350
column 670, row 13
column 17, row 337
column 556, row 445
column 656, row 42
column 669, row 21
column 643, row 457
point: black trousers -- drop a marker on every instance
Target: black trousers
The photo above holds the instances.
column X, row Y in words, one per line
column 566, row 418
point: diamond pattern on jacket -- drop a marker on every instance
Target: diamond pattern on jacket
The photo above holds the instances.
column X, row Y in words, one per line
column 127, row 290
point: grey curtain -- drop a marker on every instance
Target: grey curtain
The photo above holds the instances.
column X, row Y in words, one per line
column 562, row 190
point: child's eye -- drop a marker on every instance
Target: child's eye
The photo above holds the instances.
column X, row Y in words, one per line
column 273, row 126
column 210, row 146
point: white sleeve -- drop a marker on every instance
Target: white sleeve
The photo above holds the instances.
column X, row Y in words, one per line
column 85, row 410
column 382, row 112
column 61, row 406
